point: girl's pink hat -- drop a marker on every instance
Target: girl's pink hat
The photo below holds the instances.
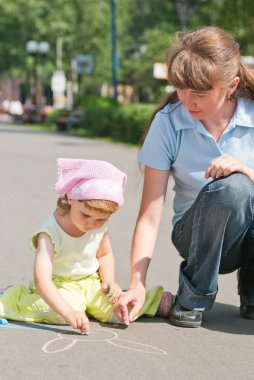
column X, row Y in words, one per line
column 90, row 179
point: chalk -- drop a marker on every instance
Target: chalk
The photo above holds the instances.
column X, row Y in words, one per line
column 84, row 332
column 105, row 288
column 3, row 321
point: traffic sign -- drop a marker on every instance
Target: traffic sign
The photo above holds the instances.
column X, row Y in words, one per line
column 83, row 64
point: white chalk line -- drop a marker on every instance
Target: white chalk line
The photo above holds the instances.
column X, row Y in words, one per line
column 113, row 339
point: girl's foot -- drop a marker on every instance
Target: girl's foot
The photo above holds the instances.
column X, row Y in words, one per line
column 165, row 305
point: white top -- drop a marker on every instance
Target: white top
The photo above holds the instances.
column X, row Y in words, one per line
column 74, row 257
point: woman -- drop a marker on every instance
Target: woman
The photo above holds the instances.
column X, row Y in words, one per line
column 204, row 136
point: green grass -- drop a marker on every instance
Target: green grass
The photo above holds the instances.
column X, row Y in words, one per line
column 41, row 127
column 78, row 132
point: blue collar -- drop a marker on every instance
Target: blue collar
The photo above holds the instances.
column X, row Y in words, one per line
column 181, row 118
column 244, row 113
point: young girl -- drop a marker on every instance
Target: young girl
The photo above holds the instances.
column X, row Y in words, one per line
column 74, row 263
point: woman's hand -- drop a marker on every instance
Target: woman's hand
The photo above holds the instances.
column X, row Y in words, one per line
column 114, row 291
column 224, row 166
column 78, row 320
column 129, row 304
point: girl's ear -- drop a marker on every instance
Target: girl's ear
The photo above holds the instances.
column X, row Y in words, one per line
column 69, row 201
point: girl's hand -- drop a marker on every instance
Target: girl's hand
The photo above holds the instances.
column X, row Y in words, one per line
column 114, row 291
column 78, row 320
column 223, row 166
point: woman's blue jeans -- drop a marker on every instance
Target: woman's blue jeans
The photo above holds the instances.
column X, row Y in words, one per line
column 216, row 235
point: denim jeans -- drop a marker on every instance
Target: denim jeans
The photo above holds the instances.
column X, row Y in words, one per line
column 216, row 235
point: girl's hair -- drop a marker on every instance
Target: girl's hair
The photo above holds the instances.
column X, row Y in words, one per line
column 98, row 205
column 204, row 58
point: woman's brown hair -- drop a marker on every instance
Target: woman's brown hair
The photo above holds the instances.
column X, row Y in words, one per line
column 202, row 58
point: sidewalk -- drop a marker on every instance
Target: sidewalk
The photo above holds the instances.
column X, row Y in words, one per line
column 221, row 349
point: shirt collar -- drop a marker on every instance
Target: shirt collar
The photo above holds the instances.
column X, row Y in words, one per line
column 243, row 115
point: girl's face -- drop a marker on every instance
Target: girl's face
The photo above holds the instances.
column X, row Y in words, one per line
column 204, row 104
column 85, row 219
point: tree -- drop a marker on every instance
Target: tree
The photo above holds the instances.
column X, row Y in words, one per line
column 144, row 33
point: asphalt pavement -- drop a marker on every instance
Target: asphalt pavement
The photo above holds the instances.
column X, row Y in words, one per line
column 149, row 348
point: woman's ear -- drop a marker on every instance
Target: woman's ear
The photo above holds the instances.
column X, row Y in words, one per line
column 232, row 87
column 234, row 83
column 69, row 201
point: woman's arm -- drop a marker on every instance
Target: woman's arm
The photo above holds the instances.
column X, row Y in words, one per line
column 47, row 289
column 107, row 269
column 144, row 238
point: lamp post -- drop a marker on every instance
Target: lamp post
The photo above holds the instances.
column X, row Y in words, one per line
column 181, row 7
column 114, row 51
column 37, row 49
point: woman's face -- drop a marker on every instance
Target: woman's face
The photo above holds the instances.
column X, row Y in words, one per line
column 203, row 104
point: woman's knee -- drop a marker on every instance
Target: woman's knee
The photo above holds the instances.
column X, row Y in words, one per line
column 229, row 190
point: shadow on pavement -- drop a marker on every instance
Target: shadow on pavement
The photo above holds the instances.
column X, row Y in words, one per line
column 113, row 326
column 223, row 317
column 58, row 328
column 38, row 326
column 226, row 318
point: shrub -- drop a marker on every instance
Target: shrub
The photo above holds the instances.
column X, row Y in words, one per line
column 52, row 117
column 131, row 121
column 99, row 115
column 124, row 123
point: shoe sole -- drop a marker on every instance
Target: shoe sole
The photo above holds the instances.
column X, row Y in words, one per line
column 178, row 323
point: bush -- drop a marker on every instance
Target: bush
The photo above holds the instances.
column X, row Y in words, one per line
column 93, row 101
column 52, row 117
column 124, row 123
column 99, row 115
column 131, row 122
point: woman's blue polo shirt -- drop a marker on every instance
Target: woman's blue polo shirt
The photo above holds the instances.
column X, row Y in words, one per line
column 181, row 144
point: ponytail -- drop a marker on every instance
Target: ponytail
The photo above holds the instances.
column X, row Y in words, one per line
column 245, row 88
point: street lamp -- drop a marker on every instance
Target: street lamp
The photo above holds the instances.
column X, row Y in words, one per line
column 37, row 49
column 114, row 51
column 181, row 7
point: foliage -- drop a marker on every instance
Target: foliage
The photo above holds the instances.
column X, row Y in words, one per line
column 93, row 101
column 144, row 32
column 123, row 123
column 52, row 117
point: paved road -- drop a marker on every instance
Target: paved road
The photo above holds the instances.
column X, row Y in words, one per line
column 148, row 349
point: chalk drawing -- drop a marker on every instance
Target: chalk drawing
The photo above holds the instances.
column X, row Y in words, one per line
column 65, row 342
column 67, row 339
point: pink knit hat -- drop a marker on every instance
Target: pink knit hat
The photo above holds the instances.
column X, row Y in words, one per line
column 90, row 179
